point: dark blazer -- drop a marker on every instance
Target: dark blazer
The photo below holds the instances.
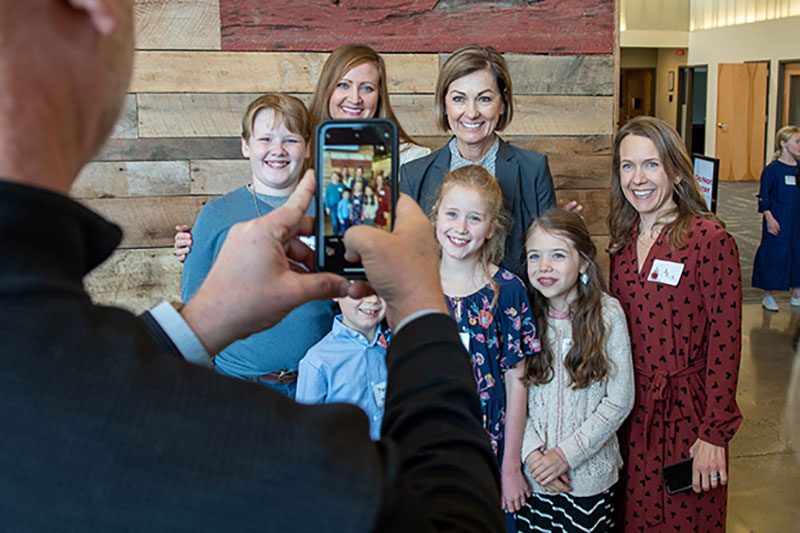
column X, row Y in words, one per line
column 524, row 177
column 102, row 430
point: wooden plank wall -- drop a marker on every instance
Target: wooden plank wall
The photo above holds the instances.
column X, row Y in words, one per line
column 176, row 144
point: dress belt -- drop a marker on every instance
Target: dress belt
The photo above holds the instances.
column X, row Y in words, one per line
column 284, row 377
column 659, row 389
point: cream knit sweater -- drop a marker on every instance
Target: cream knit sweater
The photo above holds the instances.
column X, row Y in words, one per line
column 583, row 422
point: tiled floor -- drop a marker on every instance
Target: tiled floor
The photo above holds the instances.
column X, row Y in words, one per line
column 764, row 489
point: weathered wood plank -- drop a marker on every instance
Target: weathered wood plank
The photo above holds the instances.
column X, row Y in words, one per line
column 577, row 75
column 191, row 115
column 595, row 207
column 169, row 149
column 219, row 115
column 177, row 24
column 219, row 177
column 126, row 125
column 196, row 148
column 148, row 222
column 526, row 26
column 135, row 178
column 136, row 279
column 564, row 144
column 255, row 72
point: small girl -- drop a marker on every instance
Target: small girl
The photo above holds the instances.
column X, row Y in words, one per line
column 777, row 262
column 357, row 199
column 370, row 209
column 491, row 307
column 580, row 384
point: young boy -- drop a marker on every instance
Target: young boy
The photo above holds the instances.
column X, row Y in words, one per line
column 344, row 211
column 333, row 193
column 349, row 364
column 275, row 133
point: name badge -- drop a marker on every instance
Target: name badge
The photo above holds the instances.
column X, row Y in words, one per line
column 791, row 179
column 379, row 390
column 464, row 338
column 666, row 272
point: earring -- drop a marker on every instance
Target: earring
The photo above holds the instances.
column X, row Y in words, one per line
column 584, row 278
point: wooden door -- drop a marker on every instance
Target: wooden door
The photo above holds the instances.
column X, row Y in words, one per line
column 791, row 94
column 741, row 120
column 636, row 94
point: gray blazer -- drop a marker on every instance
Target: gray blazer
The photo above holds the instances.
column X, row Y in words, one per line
column 524, row 178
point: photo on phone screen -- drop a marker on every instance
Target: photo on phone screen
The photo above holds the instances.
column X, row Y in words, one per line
column 356, row 169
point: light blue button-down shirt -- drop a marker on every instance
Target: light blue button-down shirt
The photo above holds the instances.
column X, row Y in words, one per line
column 345, row 367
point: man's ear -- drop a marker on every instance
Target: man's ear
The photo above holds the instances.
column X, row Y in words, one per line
column 104, row 14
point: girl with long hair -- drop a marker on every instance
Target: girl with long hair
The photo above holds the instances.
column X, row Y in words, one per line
column 491, row 307
column 580, row 384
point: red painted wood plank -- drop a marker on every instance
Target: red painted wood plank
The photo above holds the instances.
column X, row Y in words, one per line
column 560, row 27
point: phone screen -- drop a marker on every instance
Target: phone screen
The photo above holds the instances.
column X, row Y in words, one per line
column 356, row 169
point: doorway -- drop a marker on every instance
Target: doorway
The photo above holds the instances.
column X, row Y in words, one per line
column 789, row 99
column 637, row 93
column 741, row 119
column 692, row 97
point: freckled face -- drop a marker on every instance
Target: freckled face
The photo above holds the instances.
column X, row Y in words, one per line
column 356, row 94
column 462, row 222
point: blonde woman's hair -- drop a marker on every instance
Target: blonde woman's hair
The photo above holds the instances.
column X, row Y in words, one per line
column 478, row 178
column 783, row 135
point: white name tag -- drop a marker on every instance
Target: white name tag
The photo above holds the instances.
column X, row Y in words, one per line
column 464, row 339
column 791, row 179
column 666, row 272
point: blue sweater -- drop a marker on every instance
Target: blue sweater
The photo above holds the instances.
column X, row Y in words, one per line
column 282, row 346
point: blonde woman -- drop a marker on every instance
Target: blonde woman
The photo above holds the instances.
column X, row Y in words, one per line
column 777, row 263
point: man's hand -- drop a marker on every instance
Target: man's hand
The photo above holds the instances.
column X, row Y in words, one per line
column 253, row 283
column 402, row 266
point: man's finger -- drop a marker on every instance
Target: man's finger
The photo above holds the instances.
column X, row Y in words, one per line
column 286, row 219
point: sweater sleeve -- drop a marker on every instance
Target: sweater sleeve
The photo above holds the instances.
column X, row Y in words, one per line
column 617, row 402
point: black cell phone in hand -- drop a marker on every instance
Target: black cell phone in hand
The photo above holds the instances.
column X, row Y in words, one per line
column 356, row 164
column 677, row 477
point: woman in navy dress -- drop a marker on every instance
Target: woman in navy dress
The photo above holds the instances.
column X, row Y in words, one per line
column 777, row 264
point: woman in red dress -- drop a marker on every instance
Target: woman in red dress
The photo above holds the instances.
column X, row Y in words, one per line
column 675, row 270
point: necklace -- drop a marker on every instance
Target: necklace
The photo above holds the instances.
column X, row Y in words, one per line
column 255, row 200
column 555, row 313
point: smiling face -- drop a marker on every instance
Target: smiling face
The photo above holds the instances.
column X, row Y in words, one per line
column 553, row 267
column 643, row 179
column 276, row 154
column 363, row 315
column 356, row 95
column 473, row 104
column 463, row 222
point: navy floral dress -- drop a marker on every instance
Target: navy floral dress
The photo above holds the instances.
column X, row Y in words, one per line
column 498, row 340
